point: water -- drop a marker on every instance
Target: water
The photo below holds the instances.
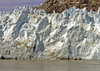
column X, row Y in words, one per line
column 72, row 65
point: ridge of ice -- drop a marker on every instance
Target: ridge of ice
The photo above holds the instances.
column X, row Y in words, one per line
column 27, row 33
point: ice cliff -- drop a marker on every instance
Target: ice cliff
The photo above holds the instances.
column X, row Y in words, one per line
column 28, row 34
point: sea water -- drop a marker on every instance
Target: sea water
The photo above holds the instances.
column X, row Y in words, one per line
column 64, row 65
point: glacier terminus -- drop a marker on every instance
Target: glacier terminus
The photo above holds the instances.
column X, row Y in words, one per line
column 28, row 34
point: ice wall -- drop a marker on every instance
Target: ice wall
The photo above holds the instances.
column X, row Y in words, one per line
column 28, row 34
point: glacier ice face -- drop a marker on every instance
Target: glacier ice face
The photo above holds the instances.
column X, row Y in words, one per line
column 27, row 34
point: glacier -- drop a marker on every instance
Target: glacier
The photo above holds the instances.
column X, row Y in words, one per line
column 29, row 34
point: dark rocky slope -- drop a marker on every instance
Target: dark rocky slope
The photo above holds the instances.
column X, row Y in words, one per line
column 60, row 5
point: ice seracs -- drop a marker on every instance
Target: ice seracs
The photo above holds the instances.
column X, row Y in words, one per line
column 27, row 34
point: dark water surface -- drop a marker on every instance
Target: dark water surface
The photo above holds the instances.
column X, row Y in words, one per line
column 71, row 65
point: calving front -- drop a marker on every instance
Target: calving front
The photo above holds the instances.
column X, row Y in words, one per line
column 28, row 34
